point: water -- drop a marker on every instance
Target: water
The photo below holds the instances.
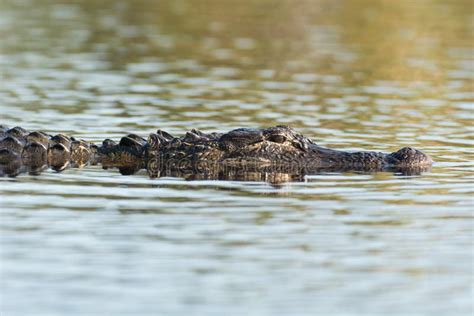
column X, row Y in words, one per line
column 374, row 75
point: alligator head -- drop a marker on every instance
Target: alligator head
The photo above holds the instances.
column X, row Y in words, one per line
column 276, row 147
column 282, row 145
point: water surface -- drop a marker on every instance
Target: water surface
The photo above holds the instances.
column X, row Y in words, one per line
column 374, row 75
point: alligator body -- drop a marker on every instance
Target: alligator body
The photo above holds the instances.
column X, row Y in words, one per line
column 21, row 150
column 277, row 149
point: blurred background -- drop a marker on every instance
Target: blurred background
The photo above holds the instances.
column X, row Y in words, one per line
column 397, row 67
column 364, row 74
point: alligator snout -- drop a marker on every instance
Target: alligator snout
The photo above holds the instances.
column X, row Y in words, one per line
column 408, row 156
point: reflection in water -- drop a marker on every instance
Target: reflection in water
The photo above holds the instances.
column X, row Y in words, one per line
column 270, row 173
column 273, row 173
column 376, row 74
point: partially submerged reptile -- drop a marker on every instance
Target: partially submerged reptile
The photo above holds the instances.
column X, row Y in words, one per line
column 263, row 150
column 37, row 150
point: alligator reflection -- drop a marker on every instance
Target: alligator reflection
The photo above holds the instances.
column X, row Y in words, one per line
column 36, row 166
column 256, row 173
column 273, row 173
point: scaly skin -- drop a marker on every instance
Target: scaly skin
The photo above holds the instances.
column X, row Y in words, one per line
column 37, row 150
column 278, row 145
column 256, row 150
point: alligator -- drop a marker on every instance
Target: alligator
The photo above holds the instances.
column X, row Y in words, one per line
column 35, row 151
column 277, row 149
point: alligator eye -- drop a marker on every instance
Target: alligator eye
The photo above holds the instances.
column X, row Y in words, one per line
column 280, row 139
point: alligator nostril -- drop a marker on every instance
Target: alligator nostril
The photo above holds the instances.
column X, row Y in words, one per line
column 410, row 156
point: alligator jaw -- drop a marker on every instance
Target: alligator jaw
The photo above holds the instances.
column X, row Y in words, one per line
column 369, row 160
column 365, row 160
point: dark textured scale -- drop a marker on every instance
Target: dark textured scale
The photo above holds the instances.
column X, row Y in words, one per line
column 17, row 132
column 12, row 143
column 167, row 136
